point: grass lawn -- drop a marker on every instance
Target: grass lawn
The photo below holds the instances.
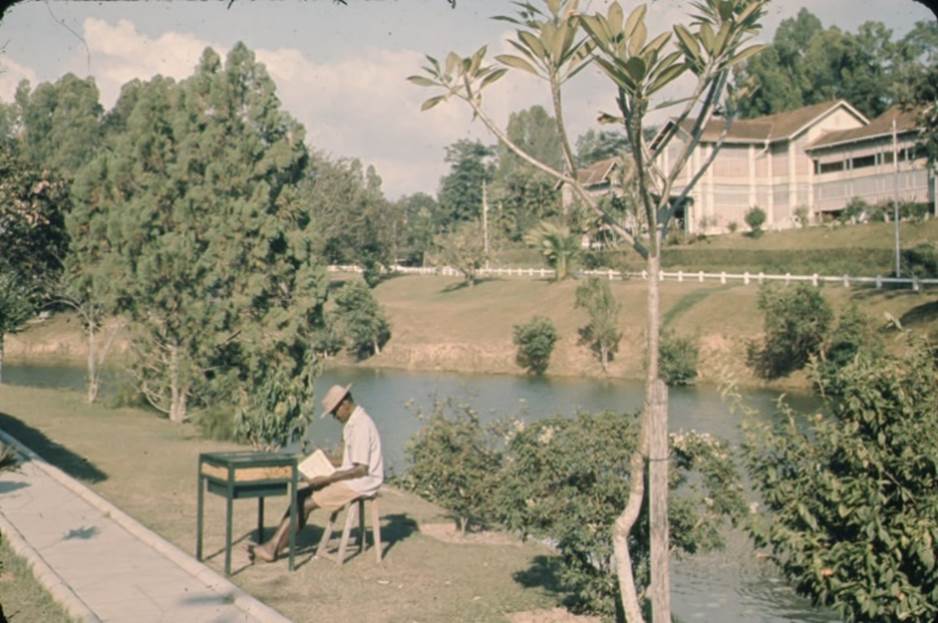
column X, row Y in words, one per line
column 22, row 597
column 147, row 467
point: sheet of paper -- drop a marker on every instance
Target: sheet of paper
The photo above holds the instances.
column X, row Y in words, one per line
column 316, row 464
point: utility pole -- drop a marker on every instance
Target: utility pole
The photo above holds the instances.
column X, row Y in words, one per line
column 485, row 222
column 895, row 199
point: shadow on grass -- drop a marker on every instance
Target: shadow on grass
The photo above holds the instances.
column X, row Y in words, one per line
column 55, row 453
column 462, row 285
column 544, row 573
column 920, row 314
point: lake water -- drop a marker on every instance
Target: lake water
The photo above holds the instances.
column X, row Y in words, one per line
column 730, row 586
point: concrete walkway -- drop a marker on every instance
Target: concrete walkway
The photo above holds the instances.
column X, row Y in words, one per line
column 101, row 564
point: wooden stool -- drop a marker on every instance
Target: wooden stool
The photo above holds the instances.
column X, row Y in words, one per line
column 355, row 508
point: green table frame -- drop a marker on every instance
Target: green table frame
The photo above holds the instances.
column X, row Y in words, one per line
column 244, row 475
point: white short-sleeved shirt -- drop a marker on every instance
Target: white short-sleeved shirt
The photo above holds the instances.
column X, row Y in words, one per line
column 362, row 445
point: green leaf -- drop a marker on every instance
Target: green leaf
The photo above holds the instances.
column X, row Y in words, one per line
column 657, row 43
column 708, row 38
column 725, row 9
column 635, row 67
column 452, row 62
column 747, row 53
column 533, row 43
column 614, row 17
column 635, row 17
column 553, row 6
column 666, row 77
column 430, row 103
column 517, row 62
column 689, row 41
column 492, row 77
column 421, row 81
column 618, row 76
column 638, row 39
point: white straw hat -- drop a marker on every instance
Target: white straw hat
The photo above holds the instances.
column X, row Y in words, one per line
column 333, row 398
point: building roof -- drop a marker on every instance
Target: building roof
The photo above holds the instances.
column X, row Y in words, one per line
column 597, row 173
column 880, row 126
column 771, row 127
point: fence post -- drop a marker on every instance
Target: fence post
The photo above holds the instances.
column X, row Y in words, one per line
column 814, row 280
column 722, row 277
column 746, row 277
column 846, row 281
column 761, row 277
column 915, row 283
column 660, row 275
column 645, row 275
column 610, row 274
column 680, row 276
column 879, row 282
column 787, row 278
column 700, row 276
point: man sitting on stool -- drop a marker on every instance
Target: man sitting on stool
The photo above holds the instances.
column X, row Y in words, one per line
column 361, row 472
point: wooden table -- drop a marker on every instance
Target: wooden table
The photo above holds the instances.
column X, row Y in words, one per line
column 241, row 475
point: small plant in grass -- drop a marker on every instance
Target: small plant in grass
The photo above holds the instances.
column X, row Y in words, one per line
column 732, row 226
column 602, row 333
column 452, row 462
column 855, row 210
column 678, row 356
column 755, row 219
column 802, row 216
column 8, row 458
column 535, row 340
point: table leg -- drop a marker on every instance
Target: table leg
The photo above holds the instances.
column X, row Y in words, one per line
column 260, row 519
column 228, row 510
column 293, row 519
column 199, row 505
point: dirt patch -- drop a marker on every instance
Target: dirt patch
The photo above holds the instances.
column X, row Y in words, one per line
column 553, row 615
column 449, row 533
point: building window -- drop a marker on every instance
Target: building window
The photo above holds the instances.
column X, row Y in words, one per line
column 830, row 167
column 864, row 161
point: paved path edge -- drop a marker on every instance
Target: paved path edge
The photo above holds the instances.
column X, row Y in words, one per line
column 54, row 584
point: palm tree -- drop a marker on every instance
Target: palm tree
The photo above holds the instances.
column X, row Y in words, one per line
column 558, row 245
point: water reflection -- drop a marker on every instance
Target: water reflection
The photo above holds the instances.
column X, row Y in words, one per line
column 731, row 586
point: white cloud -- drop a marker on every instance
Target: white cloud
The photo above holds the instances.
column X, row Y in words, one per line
column 11, row 73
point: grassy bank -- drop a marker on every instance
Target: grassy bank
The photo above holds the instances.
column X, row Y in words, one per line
column 147, row 467
column 438, row 324
column 22, row 597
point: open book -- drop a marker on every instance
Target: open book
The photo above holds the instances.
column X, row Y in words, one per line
column 316, row 464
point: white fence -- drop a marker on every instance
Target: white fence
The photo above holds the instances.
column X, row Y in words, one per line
column 746, row 278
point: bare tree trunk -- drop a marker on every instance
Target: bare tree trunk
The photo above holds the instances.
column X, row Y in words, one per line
column 1, row 357
column 623, row 527
column 377, row 347
column 656, row 419
column 177, row 405
column 604, row 357
column 92, row 366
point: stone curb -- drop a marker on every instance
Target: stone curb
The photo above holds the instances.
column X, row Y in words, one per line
column 242, row 600
column 45, row 575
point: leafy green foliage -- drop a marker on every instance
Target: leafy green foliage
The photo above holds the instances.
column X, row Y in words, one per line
column 850, row 492
column 460, row 195
column 602, row 333
column 535, row 340
column 678, row 355
column 452, row 461
column 362, row 321
column 922, row 260
column 796, row 323
column 33, row 241
column 854, row 333
column 549, row 489
column 755, row 218
column 16, row 307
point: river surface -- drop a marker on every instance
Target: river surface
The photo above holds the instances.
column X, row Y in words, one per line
column 730, row 586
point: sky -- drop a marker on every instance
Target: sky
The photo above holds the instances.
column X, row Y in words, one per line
column 341, row 70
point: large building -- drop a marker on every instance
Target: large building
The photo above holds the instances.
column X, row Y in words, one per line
column 804, row 163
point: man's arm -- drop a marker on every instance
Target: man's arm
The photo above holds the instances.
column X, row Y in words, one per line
column 355, row 471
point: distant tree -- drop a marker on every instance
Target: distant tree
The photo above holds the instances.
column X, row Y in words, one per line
column 559, row 246
column 602, row 333
column 16, row 307
column 33, row 240
column 362, row 321
column 679, row 356
column 755, row 218
column 460, row 194
column 593, row 146
column 797, row 320
column 535, row 340
column 463, row 248
column 851, row 507
column 419, row 215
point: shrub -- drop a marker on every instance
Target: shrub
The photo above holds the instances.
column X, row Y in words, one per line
column 678, row 359
column 452, row 462
column 363, row 323
column 922, row 260
column 854, row 211
column 732, row 226
column 802, row 216
column 549, row 489
column 602, row 332
column 755, row 218
column 796, row 321
column 852, row 508
column 535, row 341
column 854, row 333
